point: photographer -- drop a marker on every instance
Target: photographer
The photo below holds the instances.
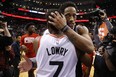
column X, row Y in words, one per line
column 105, row 63
column 6, row 53
column 102, row 26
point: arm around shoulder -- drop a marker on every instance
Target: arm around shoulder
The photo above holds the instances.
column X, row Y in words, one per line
column 81, row 41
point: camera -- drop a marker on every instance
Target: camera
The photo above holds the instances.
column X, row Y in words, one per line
column 96, row 14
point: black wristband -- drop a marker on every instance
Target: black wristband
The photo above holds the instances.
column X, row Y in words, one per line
column 65, row 28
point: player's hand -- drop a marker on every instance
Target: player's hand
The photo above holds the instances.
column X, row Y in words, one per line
column 58, row 20
column 25, row 65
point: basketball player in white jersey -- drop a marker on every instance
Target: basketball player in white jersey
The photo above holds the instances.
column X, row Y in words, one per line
column 81, row 40
column 56, row 55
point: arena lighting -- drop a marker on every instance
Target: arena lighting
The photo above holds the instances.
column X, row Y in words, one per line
column 38, row 19
column 3, row 0
column 23, row 17
column 82, row 20
column 31, row 11
column 112, row 17
column 81, row 13
column 37, row 12
column 21, row 9
column 30, row 18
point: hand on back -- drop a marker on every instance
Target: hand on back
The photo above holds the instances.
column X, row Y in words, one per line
column 25, row 65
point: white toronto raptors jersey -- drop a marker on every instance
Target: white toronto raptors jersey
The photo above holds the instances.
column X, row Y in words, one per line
column 56, row 57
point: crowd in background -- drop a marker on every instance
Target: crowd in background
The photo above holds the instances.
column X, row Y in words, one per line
column 104, row 53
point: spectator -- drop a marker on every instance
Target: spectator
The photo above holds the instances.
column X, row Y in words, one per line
column 101, row 57
column 101, row 28
column 17, row 59
column 27, row 43
column 6, row 53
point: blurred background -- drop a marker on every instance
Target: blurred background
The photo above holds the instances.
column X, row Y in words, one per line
column 19, row 12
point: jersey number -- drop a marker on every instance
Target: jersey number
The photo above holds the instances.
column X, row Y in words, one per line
column 60, row 65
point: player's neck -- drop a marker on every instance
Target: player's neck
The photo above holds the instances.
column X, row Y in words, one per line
column 58, row 35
